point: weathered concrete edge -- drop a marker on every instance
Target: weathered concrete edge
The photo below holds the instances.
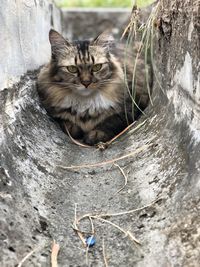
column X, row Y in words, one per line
column 24, row 37
column 182, row 85
column 97, row 10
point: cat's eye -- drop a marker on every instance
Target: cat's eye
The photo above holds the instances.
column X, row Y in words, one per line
column 72, row 69
column 97, row 67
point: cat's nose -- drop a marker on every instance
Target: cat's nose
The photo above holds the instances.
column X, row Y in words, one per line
column 86, row 83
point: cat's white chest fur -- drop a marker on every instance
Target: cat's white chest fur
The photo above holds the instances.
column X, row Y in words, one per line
column 92, row 104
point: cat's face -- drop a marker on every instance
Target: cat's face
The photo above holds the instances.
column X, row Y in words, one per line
column 84, row 67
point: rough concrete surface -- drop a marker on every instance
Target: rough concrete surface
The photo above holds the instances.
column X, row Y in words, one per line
column 24, row 36
column 38, row 196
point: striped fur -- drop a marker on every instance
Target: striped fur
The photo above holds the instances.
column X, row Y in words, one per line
column 89, row 103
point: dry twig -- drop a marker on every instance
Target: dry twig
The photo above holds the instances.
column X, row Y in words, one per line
column 76, row 141
column 54, row 254
column 127, row 233
column 75, row 227
column 137, row 127
column 133, row 20
column 26, row 257
column 127, row 212
column 122, row 132
column 104, row 254
column 125, row 178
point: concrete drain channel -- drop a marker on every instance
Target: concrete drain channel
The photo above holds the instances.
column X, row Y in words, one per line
column 135, row 203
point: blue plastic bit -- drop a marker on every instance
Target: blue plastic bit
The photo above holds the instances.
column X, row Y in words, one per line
column 90, row 241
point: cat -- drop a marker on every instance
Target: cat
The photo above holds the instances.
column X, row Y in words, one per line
column 83, row 88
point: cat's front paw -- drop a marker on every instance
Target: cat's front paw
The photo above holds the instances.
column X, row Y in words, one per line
column 95, row 137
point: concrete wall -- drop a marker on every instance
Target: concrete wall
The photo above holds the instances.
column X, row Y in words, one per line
column 83, row 23
column 24, row 44
column 25, row 25
column 89, row 22
column 178, row 62
column 24, row 32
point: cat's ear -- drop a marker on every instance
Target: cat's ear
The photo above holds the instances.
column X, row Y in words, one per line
column 58, row 42
column 104, row 39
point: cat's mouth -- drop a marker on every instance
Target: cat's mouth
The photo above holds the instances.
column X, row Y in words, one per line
column 84, row 91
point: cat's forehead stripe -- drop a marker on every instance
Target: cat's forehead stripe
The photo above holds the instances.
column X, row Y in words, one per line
column 75, row 59
column 92, row 59
column 83, row 51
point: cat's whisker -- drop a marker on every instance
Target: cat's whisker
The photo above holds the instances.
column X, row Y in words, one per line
column 57, row 83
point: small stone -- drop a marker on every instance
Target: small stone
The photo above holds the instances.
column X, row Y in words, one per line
column 90, row 241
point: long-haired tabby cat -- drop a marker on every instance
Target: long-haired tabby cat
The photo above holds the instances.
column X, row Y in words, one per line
column 83, row 88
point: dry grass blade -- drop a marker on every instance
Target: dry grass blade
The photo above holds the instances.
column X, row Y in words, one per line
column 132, row 27
column 118, row 213
column 150, row 26
column 104, row 254
column 111, row 161
column 134, row 14
column 137, row 127
column 26, row 257
column 133, row 238
column 134, row 71
column 129, row 211
column 54, row 254
column 131, row 94
column 75, row 226
column 103, row 146
column 122, row 132
column 146, row 41
column 146, row 65
column 76, row 141
column 92, row 225
column 155, row 71
column 125, row 178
